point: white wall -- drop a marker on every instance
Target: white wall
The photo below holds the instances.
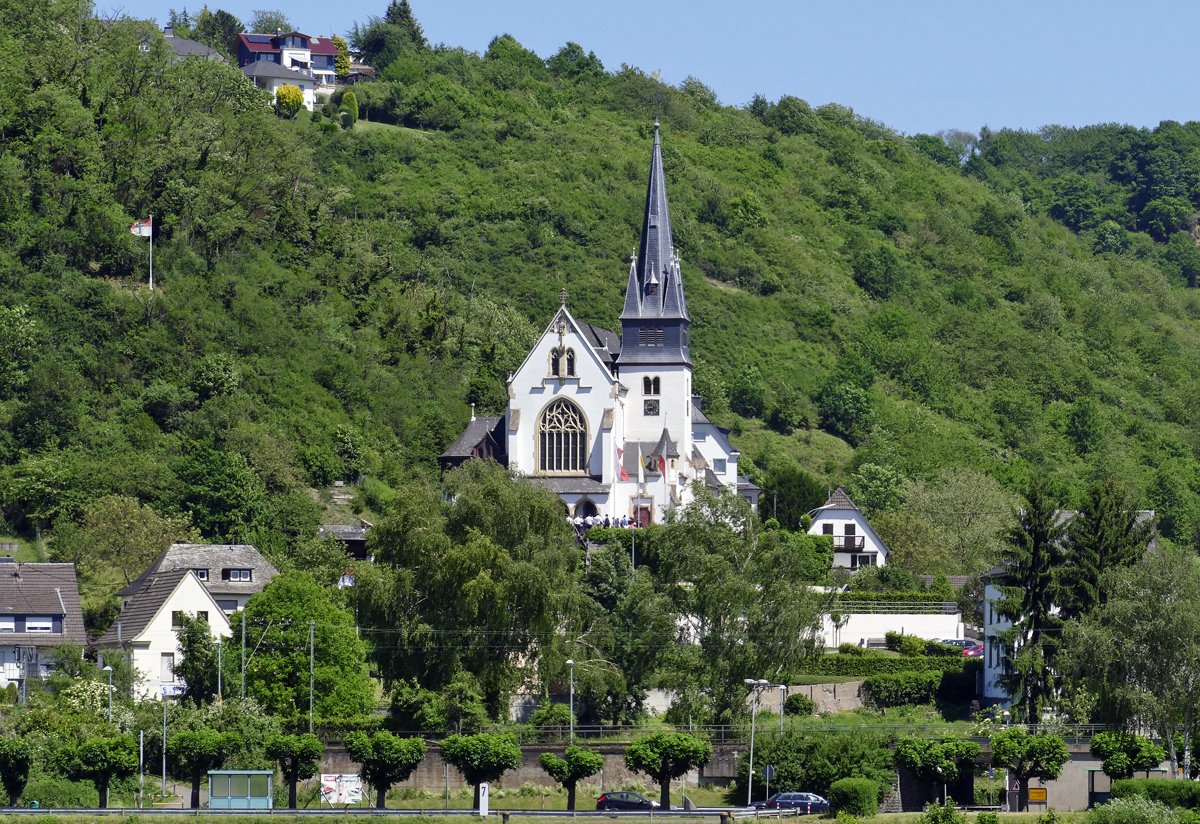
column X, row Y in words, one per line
column 160, row 637
column 860, row 627
column 993, row 656
column 839, row 518
column 714, row 446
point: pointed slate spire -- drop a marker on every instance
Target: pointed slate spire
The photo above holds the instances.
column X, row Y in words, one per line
column 659, row 291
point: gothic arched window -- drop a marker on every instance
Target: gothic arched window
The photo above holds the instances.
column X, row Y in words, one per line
column 562, row 363
column 570, row 363
column 651, row 386
column 562, row 439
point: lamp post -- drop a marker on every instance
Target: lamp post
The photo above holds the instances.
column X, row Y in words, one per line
column 1007, row 716
column 572, row 704
column 755, row 686
column 218, row 669
column 108, row 669
column 782, row 700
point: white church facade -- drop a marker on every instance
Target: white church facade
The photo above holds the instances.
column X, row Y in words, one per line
column 609, row 422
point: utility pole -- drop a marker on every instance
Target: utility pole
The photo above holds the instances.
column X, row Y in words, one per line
column 243, row 653
column 311, row 659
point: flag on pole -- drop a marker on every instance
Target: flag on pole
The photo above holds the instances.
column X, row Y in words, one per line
column 143, row 228
column 662, row 465
column 621, row 464
column 641, row 466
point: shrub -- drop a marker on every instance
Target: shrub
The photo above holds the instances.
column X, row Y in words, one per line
column 857, row 796
column 904, row 689
column 866, row 665
column 60, row 792
column 1172, row 793
column 799, row 705
column 912, row 647
column 350, row 106
column 987, row 816
column 1135, row 810
column 289, row 100
column 936, row 813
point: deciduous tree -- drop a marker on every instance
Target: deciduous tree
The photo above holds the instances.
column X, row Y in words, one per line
column 101, row 759
column 194, row 752
column 481, row 758
column 269, row 21
column 1028, row 756
column 1124, row 753
column 16, row 757
column 289, row 100
column 665, row 756
column 576, row 764
column 298, row 757
column 128, row 536
column 385, row 760
column 937, row 762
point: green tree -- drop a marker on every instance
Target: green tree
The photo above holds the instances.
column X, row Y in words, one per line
column 341, row 63
column 791, row 493
column 277, row 673
column 350, row 107
column 1029, row 601
column 125, row 535
column 878, row 488
column 101, row 759
column 193, row 753
column 665, row 756
column 481, row 758
column 969, row 515
column 748, row 394
column 1124, row 753
column 219, row 30
column 1106, row 532
column 1026, row 756
column 298, row 757
column 576, row 764
column 811, row 762
column 289, row 100
column 16, row 758
column 17, row 337
column 385, row 760
column 197, row 665
column 270, row 21
column 571, row 63
column 400, row 14
column 1137, row 652
column 936, row 762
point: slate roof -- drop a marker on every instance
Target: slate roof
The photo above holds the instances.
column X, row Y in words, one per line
column 214, row 558
column 629, row 458
column 142, row 607
column 838, row 500
column 343, row 532
column 665, row 446
column 42, row 589
column 183, row 47
column 266, row 68
column 475, row 432
column 744, row 484
column 607, row 344
column 711, row 480
column 697, row 415
column 581, row 485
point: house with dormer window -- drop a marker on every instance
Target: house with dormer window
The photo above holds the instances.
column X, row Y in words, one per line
column 231, row 573
column 39, row 612
column 855, row 543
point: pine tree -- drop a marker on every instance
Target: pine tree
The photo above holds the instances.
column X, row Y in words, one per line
column 1105, row 533
column 1030, row 595
column 400, row 14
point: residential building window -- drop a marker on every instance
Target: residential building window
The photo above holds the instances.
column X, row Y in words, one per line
column 719, row 466
column 228, row 605
column 562, row 439
column 167, row 668
column 235, row 575
column 202, row 574
column 826, row 529
column 176, row 618
column 651, row 386
column 39, row 623
column 8, row 623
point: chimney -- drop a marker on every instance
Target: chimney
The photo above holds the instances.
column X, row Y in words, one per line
column 279, row 32
column 168, row 31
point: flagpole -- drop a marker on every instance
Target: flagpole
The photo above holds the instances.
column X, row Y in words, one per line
column 151, row 253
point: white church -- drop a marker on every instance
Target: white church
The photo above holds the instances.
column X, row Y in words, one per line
column 607, row 421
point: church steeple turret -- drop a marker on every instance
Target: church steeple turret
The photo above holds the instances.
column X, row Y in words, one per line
column 655, row 320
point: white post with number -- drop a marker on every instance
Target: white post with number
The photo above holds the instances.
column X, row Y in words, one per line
column 483, row 799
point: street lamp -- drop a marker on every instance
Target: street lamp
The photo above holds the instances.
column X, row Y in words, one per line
column 218, row 669
column 755, row 686
column 108, row 669
column 782, row 700
column 572, row 704
column 1007, row 714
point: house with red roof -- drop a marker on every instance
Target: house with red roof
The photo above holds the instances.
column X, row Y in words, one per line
column 311, row 57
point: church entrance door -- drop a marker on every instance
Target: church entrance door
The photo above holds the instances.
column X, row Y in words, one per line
column 585, row 508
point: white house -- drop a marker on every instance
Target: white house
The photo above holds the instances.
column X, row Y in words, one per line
column 271, row 76
column 39, row 612
column 609, row 422
column 855, row 543
column 146, row 629
column 233, row 573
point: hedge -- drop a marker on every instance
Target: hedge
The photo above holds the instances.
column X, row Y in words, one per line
column 917, row 597
column 1174, row 793
column 903, row 689
column 847, row 665
column 857, row 796
column 798, row 704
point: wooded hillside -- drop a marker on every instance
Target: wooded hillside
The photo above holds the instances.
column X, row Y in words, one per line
column 328, row 302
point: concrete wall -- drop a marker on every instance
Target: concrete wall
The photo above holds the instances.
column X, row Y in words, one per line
column 860, row 627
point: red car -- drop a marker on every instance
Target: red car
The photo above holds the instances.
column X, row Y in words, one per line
column 973, row 652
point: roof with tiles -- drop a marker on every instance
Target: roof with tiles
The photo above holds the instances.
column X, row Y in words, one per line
column 838, row 500
column 42, row 589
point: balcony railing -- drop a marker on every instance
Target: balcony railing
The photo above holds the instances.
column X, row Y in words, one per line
column 849, row 543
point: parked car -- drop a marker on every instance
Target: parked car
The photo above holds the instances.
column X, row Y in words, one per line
column 806, row 802
column 961, row 643
column 625, row 801
column 973, row 652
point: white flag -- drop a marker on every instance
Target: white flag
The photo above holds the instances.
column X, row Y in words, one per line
column 641, row 467
column 143, row 228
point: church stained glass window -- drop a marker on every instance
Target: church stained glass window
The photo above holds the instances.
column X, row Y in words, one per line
column 562, row 439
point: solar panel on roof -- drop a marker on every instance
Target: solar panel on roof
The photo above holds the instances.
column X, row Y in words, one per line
column 258, row 38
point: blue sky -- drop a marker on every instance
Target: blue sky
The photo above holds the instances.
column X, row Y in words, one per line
column 917, row 66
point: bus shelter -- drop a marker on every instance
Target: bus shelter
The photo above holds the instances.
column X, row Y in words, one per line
column 240, row 789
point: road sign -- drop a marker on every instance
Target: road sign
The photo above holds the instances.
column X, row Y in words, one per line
column 769, row 772
column 1037, row 793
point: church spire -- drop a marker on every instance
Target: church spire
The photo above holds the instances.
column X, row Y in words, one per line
column 655, row 288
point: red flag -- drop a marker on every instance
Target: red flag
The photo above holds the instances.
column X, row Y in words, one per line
column 143, row 228
column 621, row 464
column 662, row 465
